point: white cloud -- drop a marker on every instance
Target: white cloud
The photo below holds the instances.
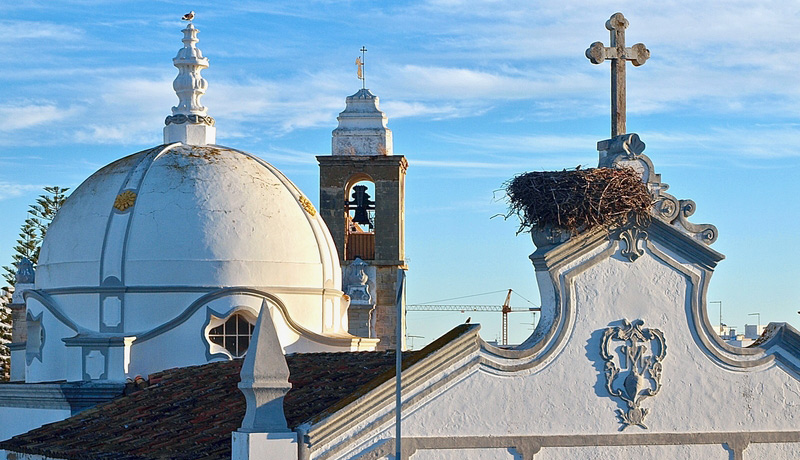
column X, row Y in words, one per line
column 11, row 189
column 508, row 143
column 757, row 143
column 16, row 31
column 16, row 117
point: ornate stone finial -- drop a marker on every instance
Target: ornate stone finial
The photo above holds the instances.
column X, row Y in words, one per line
column 264, row 379
column 25, row 272
column 618, row 54
column 189, row 122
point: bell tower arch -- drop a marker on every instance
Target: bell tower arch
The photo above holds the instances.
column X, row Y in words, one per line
column 362, row 200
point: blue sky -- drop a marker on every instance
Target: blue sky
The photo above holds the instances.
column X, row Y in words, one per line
column 475, row 92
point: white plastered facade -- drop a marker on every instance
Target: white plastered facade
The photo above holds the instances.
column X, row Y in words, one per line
column 553, row 400
column 548, row 398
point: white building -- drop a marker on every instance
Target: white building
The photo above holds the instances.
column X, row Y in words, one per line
column 623, row 363
column 164, row 259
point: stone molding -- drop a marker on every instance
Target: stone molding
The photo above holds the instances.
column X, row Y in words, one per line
column 340, row 341
column 193, row 119
column 528, row 446
column 556, row 261
column 74, row 396
column 349, row 160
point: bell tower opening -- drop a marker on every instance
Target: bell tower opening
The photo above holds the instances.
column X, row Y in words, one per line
column 360, row 227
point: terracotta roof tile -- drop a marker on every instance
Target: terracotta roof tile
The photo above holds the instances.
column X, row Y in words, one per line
column 190, row 412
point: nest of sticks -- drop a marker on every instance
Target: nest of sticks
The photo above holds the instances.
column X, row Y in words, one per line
column 578, row 200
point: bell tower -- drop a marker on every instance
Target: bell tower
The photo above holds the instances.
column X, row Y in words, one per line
column 362, row 200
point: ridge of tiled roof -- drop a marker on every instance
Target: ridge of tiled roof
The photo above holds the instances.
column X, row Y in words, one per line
column 409, row 359
column 190, row 412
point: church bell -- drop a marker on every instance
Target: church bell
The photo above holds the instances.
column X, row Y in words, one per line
column 360, row 205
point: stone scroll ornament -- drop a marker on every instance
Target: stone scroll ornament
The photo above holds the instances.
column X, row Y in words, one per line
column 633, row 357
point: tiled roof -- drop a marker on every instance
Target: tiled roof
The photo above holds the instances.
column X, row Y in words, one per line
column 190, row 412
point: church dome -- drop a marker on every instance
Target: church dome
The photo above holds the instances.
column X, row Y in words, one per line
column 167, row 257
column 188, row 216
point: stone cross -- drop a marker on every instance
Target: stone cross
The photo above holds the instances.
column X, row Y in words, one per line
column 618, row 54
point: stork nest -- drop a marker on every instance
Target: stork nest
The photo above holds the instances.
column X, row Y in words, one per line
column 578, row 200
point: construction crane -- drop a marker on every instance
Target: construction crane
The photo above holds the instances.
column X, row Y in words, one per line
column 505, row 309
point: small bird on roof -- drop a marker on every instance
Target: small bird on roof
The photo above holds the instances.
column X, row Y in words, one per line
column 188, row 16
column 468, row 320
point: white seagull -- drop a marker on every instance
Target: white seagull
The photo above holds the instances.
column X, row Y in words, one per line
column 188, row 16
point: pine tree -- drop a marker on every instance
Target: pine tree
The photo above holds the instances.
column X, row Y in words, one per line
column 5, row 335
column 34, row 229
column 45, row 209
column 31, row 235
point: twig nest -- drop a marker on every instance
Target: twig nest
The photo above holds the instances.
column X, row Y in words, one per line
column 576, row 201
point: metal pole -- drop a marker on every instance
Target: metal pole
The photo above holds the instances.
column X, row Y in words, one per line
column 401, row 288
column 720, row 314
column 758, row 322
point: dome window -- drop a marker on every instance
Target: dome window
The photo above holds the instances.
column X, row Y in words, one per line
column 232, row 333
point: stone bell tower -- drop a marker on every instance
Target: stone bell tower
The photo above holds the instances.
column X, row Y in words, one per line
column 362, row 200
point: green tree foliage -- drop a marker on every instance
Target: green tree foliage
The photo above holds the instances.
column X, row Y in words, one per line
column 34, row 228
column 31, row 235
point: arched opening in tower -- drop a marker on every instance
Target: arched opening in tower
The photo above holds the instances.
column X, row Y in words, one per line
column 360, row 228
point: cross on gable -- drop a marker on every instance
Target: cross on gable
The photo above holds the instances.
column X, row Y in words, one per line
column 618, row 54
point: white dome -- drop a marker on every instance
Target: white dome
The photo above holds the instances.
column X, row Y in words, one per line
column 165, row 258
column 198, row 216
column 154, row 251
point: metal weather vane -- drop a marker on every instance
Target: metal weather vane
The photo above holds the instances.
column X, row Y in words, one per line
column 618, row 54
column 360, row 66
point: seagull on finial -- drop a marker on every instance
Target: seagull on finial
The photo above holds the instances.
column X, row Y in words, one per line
column 188, row 16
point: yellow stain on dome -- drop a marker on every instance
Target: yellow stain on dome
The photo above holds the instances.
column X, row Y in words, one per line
column 308, row 206
column 125, row 200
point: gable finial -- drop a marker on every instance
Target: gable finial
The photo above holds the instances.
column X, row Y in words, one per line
column 618, row 54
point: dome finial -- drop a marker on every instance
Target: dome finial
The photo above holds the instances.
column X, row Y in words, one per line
column 189, row 122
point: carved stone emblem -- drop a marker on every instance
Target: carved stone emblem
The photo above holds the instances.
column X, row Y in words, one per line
column 632, row 236
column 308, row 206
column 25, row 272
column 125, row 200
column 638, row 374
column 356, row 283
